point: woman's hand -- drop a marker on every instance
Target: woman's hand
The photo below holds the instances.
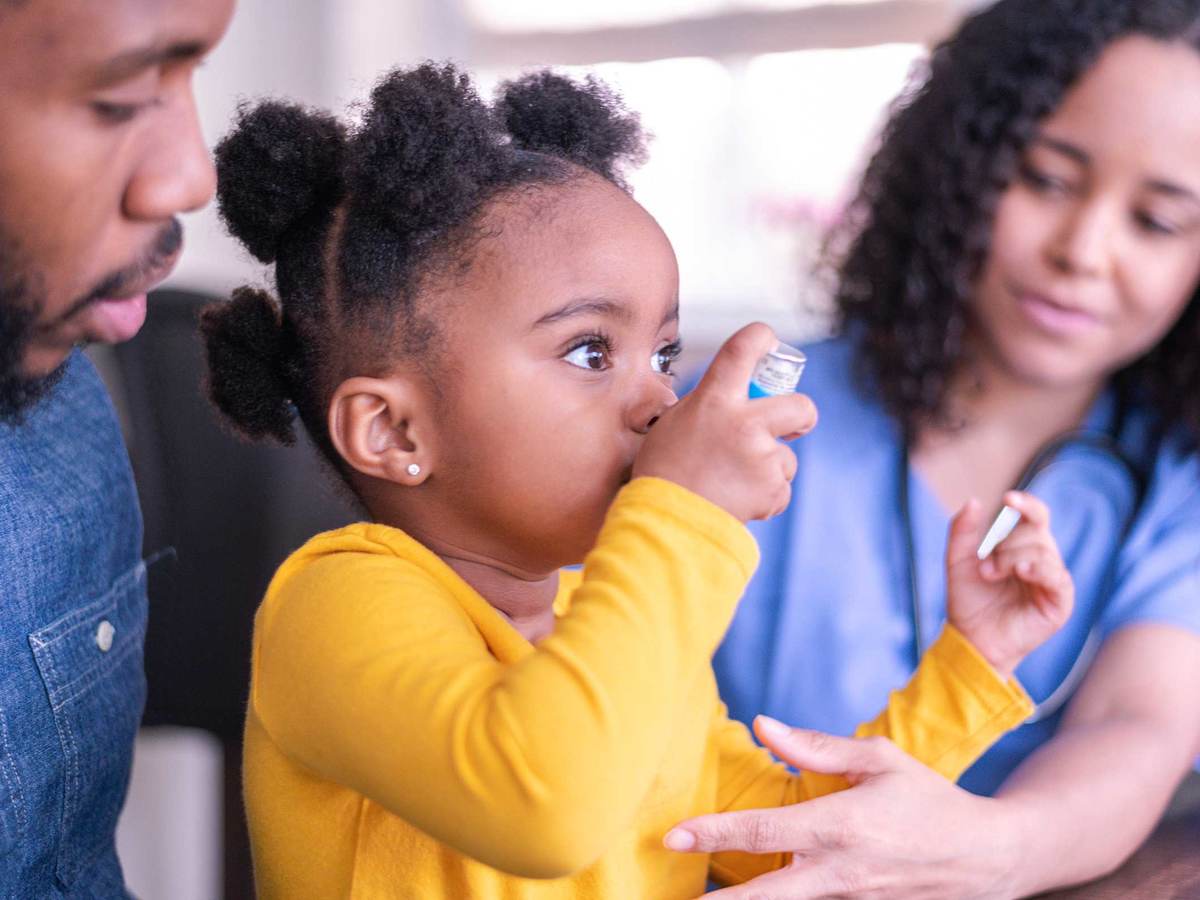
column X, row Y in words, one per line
column 901, row 831
column 1011, row 602
column 720, row 444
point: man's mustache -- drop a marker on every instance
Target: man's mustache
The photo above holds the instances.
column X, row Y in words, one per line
column 166, row 244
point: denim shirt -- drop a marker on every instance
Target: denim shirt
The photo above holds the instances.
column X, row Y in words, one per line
column 72, row 624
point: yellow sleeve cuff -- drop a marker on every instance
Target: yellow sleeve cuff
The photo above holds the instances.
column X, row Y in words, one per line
column 953, row 650
column 952, row 710
column 984, row 705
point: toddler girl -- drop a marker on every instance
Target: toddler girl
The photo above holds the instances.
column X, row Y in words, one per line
column 476, row 325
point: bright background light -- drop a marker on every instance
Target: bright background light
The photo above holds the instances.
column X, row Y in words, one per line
column 763, row 113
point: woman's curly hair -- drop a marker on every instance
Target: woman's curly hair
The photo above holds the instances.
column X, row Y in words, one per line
column 917, row 234
column 358, row 219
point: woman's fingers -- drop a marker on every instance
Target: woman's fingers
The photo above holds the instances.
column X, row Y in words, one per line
column 827, row 753
column 807, row 827
column 802, row 827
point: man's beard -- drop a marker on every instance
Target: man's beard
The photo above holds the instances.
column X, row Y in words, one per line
column 19, row 308
column 22, row 302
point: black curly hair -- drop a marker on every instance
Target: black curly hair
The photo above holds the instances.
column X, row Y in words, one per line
column 917, row 234
column 359, row 221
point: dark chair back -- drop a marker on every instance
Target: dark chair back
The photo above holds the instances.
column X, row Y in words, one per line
column 232, row 511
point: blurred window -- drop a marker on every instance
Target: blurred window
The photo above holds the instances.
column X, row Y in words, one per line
column 762, row 112
column 549, row 15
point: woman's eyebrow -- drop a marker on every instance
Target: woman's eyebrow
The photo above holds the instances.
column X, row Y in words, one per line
column 1066, row 149
column 1163, row 186
column 586, row 307
column 1173, row 190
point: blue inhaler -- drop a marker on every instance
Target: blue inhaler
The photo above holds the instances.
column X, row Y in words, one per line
column 778, row 372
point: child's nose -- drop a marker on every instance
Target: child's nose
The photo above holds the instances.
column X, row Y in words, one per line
column 654, row 398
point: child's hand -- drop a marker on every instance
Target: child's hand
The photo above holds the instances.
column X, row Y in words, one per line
column 720, row 444
column 1011, row 602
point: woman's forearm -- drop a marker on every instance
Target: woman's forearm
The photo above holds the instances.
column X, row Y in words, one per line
column 1090, row 796
column 1086, row 800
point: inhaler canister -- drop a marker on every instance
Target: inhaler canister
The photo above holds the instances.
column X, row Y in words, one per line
column 778, row 372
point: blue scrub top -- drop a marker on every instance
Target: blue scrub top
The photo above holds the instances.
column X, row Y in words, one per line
column 825, row 629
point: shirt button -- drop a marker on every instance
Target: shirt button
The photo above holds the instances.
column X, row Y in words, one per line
column 104, row 636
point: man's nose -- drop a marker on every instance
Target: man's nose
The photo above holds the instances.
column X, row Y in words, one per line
column 176, row 172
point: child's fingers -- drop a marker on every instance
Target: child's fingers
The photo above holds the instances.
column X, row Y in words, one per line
column 1033, row 511
column 1046, row 572
column 731, row 369
column 1030, row 530
column 1033, row 563
column 788, row 463
column 1027, row 533
column 965, row 532
column 789, row 416
column 1054, row 593
column 1007, row 557
column 1023, row 536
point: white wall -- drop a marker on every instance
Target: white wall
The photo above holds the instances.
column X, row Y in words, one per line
column 169, row 838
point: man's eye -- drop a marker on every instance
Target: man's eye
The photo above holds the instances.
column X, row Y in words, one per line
column 116, row 113
column 664, row 358
column 592, row 355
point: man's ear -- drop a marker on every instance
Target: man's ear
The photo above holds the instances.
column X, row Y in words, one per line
column 383, row 427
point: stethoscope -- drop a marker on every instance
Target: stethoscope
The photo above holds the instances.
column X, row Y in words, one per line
column 1100, row 442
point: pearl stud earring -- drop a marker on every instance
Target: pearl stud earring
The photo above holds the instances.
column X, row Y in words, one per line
column 414, row 470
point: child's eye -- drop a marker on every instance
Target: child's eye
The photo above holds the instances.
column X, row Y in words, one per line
column 591, row 355
column 665, row 357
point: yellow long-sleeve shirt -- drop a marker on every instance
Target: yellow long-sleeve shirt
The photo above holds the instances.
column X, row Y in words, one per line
column 403, row 740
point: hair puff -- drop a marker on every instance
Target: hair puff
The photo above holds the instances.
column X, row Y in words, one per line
column 427, row 151
column 279, row 164
column 584, row 122
column 247, row 380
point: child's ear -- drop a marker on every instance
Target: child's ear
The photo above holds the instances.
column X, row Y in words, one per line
column 383, row 427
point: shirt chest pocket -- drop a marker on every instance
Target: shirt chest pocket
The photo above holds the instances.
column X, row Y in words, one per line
column 91, row 663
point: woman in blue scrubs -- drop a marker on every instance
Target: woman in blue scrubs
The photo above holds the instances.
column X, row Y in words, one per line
column 1025, row 266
